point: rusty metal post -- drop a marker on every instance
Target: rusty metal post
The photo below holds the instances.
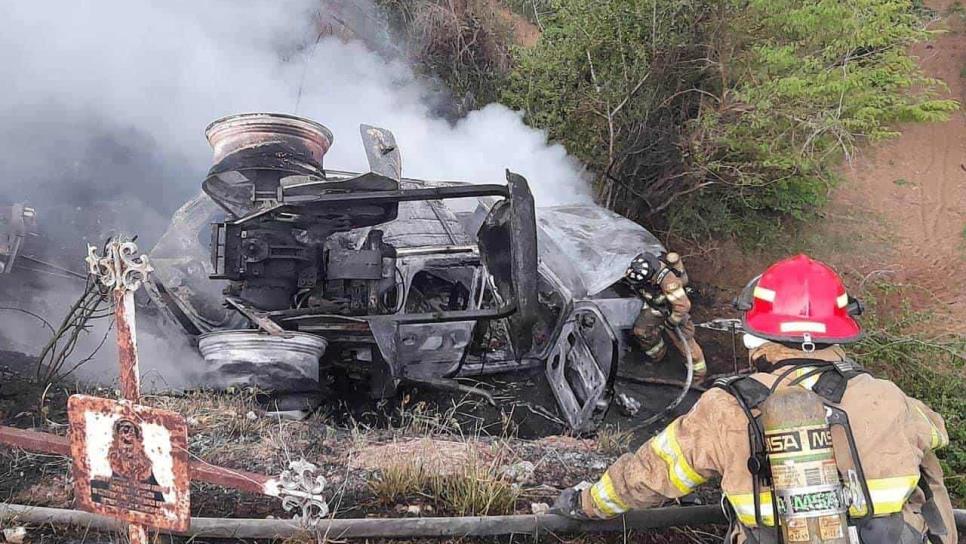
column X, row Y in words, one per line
column 248, row 482
column 122, row 270
column 127, row 350
column 300, row 488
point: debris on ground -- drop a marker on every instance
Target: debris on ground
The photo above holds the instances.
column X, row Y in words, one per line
column 436, row 456
column 521, row 472
column 629, row 405
column 15, row 535
column 539, row 508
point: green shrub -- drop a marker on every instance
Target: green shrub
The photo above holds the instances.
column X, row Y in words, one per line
column 465, row 44
column 931, row 368
column 712, row 117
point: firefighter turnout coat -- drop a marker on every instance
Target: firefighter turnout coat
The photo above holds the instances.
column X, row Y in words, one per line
column 895, row 437
column 666, row 305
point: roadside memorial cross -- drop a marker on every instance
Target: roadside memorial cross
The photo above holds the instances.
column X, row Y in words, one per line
column 129, row 461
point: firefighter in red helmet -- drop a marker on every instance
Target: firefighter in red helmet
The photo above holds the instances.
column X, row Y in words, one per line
column 796, row 316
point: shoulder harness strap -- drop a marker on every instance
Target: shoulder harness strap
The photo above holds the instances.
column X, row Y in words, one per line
column 750, row 393
column 834, row 378
column 661, row 274
column 931, row 513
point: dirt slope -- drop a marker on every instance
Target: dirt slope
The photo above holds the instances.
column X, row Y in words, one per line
column 899, row 214
column 912, row 190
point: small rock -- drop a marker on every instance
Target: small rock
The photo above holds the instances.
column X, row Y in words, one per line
column 409, row 509
column 539, row 508
column 251, row 415
column 519, row 472
column 628, row 404
column 598, row 465
column 15, row 535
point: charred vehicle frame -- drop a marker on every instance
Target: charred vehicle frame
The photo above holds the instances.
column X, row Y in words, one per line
column 310, row 272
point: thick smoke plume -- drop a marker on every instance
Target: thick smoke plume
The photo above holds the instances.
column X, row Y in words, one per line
column 104, row 104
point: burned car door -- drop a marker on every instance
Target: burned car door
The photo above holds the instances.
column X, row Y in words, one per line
column 582, row 366
column 508, row 247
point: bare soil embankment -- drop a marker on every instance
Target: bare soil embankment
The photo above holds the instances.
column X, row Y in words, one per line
column 914, row 187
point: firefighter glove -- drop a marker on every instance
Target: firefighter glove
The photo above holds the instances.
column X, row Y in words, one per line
column 568, row 503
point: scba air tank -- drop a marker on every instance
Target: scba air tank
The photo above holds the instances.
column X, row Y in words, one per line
column 805, row 480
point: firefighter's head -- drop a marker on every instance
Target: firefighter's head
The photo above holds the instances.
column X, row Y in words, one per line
column 642, row 269
column 802, row 303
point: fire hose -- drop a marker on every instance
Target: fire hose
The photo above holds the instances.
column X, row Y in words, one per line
column 240, row 528
column 684, row 389
column 335, row 529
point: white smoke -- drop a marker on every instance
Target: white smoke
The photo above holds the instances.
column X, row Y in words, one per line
column 164, row 70
column 104, row 103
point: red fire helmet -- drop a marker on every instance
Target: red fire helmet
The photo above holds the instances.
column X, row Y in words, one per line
column 800, row 300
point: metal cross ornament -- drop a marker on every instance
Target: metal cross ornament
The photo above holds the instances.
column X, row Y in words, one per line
column 122, row 270
column 301, row 489
column 130, row 461
column 120, row 267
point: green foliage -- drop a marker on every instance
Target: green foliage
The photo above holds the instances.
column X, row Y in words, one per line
column 713, row 117
column 932, row 369
column 533, row 10
column 465, row 44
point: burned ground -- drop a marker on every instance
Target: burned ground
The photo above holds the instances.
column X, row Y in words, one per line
column 424, row 452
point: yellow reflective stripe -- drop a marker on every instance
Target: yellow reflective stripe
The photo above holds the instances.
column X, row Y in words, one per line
column 606, row 498
column 764, row 294
column 700, row 366
column 656, row 349
column 809, row 382
column 889, row 495
column 937, row 438
column 744, row 505
column 676, row 294
column 843, row 300
column 679, row 471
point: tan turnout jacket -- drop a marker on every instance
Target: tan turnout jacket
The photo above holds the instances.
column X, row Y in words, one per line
column 894, row 434
column 650, row 326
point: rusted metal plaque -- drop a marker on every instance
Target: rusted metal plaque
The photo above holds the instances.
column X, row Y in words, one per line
column 130, row 462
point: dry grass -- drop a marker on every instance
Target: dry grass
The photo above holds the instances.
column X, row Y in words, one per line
column 231, row 429
column 477, row 489
column 399, row 482
column 613, row 441
column 478, row 492
column 33, row 478
column 460, row 418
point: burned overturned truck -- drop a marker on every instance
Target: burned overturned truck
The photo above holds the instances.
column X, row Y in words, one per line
column 291, row 276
